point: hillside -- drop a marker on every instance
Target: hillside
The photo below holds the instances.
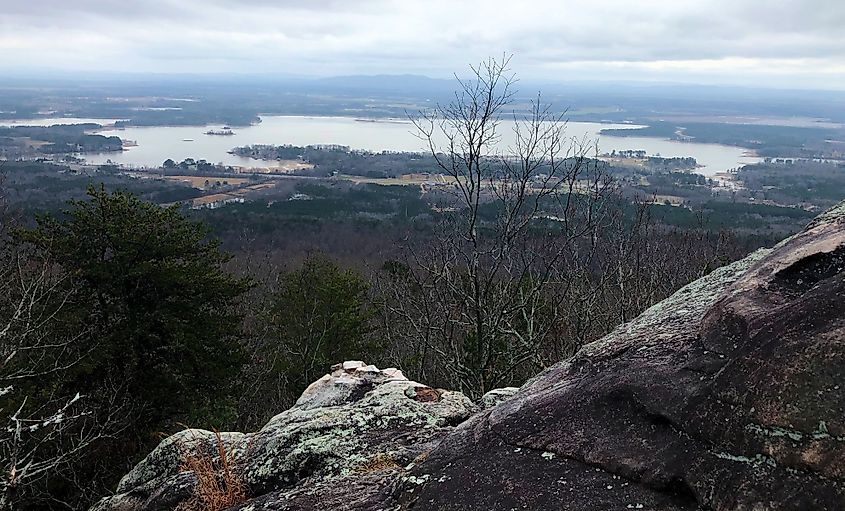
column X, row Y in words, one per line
column 725, row 396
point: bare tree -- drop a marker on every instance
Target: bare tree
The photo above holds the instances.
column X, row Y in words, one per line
column 475, row 298
column 44, row 428
column 636, row 262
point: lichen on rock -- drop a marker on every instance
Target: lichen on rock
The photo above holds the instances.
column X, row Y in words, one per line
column 346, row 423
column 497, row 396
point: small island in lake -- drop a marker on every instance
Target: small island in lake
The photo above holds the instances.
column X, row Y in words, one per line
column 226, row 131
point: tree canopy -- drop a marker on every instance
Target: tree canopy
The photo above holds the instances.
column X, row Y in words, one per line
column 157, row 308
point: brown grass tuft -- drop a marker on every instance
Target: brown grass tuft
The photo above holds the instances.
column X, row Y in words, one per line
column 218, row 486
column 377, row 463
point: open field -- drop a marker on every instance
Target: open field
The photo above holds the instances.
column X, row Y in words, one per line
column 204, row 182
column 240, row 193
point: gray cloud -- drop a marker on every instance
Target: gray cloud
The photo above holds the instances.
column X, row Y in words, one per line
column 785, row 41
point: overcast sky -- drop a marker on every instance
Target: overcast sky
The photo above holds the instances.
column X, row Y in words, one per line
column 785, row 43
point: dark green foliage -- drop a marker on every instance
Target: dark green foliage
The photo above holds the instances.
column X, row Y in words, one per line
column 319, row 315
column 715, row 215
column 156, row 307
column 156, row 295
column 343, row 160
column 65, row 138
column 192, row 165
column 37, row 187
column 668, row 181
column 767, row 140
column 796, row 182
column 658, row 164
column 363, row 204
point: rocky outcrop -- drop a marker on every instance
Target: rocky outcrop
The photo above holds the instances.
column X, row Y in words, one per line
column 729, row 395
column 355, row 425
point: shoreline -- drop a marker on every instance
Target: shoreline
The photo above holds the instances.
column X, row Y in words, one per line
column 347, row 130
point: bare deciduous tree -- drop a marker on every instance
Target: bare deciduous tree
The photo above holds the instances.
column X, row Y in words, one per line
column 43, row 428
column 475, row 297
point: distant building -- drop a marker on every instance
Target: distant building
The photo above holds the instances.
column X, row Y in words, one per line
column 215, row 201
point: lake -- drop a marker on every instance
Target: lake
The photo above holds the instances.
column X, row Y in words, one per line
column 156, row 144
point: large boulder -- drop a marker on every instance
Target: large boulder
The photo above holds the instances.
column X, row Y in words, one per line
column 358, row 424
column 729, row 395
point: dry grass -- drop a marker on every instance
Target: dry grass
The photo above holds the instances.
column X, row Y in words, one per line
column 199, row 181
column 207, row 199
column 218, row 485
column 377, row 463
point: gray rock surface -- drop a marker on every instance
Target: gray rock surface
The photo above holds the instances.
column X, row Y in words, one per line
column 357, row 421
column 497, row 396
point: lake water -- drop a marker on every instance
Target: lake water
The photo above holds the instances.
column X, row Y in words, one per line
column 156, row 144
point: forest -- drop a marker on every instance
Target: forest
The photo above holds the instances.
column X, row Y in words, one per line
column 768, row 141
column 328, row 160
column 408, row 255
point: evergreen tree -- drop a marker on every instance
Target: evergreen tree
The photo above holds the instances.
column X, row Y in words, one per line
column 151, row 294
column 320, row 315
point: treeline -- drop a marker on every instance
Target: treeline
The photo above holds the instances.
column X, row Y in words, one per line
column 746, row 220
column 660, row 164
column 799, row 183
column 773, row 141
column 323, row 203
column 34, row 187
column 193, row 165
column 178, row 113
column 343, row 160
column 665, row 182
column 61, row 138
